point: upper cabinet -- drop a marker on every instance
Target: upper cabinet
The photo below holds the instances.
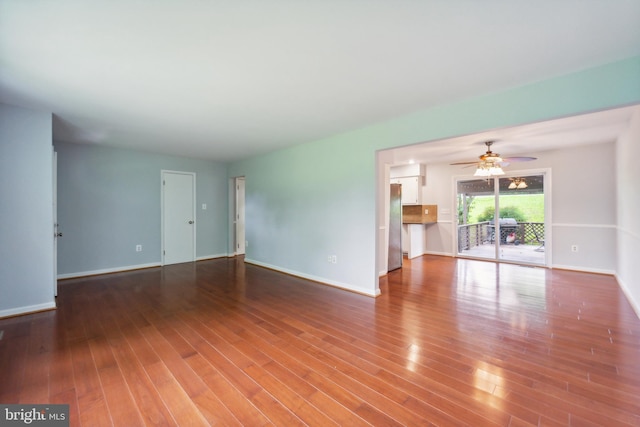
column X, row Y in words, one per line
column 411, row 177
column 411, row 189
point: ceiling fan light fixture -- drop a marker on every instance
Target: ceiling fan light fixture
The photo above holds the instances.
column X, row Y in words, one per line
column 487, row 169
column 517, row 184
column 491, row 163
column 495, row 170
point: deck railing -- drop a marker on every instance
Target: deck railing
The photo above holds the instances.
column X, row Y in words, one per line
column 479, row 233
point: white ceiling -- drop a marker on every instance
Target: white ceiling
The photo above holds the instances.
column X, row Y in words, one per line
column 229, row 79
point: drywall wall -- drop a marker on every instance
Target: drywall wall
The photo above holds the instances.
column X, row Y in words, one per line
column 304, row 205
column 320, row 198
column 26, row 211
column 109, row 201
column 627, row 173
column 584, row 207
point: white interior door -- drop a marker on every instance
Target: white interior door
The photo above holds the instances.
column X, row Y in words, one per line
column 178, row 217
column 240, row 227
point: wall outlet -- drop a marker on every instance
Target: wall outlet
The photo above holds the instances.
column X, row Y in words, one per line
column 138, row 248
column 574, row 248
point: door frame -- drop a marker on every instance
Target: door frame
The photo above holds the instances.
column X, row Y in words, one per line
column 54, row 181
column 163, row 172
column 546, row 173
column 239, row 221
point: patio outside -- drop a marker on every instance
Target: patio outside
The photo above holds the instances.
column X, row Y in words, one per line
column 519, row 232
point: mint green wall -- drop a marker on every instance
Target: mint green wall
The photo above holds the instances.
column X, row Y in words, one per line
column 316, row 199
column 26, row 211
column 304, row 204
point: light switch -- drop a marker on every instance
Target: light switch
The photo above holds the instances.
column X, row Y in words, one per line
column 204, row 206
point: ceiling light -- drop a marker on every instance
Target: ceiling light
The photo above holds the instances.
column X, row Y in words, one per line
column 517, row 184
column 488, row 168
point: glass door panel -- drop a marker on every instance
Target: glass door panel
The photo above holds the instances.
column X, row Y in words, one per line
column 476, row 204
column 516, row 234
column 521, row 207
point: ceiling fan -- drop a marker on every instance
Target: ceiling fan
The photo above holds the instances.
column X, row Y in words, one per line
column 491, row 158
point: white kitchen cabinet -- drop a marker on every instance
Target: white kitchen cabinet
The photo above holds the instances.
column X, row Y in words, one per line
column 411, row 189
column 411, row 177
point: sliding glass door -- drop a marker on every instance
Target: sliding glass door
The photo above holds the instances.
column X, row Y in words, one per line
column 516, row 233
column 521, row 203
column 475, row 232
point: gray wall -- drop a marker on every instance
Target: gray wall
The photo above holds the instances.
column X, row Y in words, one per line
column 109, row 201
column 584, row 207
column 26, row 213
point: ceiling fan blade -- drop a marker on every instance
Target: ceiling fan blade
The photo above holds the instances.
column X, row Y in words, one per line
column 519, row 159
column 463, row 163
column 491, row 157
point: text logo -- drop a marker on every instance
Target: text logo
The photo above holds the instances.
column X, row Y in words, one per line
column 34, row 415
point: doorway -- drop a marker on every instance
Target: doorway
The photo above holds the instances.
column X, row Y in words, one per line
column 517, row 233
column 178, row 217
column 239, row 219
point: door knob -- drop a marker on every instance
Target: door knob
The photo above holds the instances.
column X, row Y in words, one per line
column 190, row 222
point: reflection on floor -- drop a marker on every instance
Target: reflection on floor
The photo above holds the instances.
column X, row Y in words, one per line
column 526, row 254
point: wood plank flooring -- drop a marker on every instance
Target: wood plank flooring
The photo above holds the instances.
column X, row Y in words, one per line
column 449, row 342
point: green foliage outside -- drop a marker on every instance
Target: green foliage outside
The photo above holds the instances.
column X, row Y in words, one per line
column 505, row 212
column 522, row 207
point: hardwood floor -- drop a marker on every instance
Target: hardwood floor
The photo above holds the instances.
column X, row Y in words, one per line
column 449, row 342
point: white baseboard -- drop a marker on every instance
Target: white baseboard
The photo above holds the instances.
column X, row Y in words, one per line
column 108, row 270
column 27, row 309
column 206, row 257
column 449, row 254
column 584, row 269
column 129, row 268
column 627, row 293
column 234, row 254
column 320, row 280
